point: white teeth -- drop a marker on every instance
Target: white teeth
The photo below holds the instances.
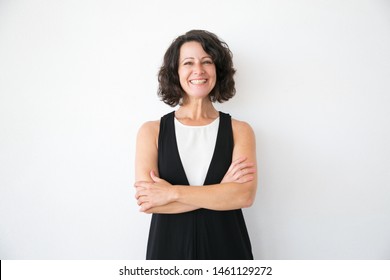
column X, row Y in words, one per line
column 198, row 82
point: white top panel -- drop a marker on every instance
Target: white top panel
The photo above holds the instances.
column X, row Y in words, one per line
column 196, row 147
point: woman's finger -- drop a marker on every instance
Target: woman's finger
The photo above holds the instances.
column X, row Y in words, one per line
column 145, row 207
column 238, row 169
column 242, row 166
column 236, row 162
column 140, row 192
column 154, row 177
column 141, row 200
column 245, row 179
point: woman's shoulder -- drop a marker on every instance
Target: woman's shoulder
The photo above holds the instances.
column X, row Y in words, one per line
column 150, row 124
column 152, row 128
column 241, row 125
column 149, row 128
column 242, row 128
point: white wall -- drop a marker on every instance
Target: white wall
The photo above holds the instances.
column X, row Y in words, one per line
column 77, row 78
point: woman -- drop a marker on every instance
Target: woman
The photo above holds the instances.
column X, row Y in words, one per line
column 195, row 168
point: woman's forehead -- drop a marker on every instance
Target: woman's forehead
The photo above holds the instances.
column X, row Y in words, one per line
column 192, row 50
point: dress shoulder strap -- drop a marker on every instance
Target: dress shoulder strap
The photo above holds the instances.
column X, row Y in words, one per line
column 223, row 151
column 169, row 163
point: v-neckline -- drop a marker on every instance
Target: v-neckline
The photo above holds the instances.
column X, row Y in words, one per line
column 214, row 151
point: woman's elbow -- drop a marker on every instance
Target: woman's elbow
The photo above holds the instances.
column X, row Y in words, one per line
column 248, row 202
column 249, row 198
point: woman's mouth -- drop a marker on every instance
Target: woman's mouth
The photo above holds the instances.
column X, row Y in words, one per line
column 198, row 82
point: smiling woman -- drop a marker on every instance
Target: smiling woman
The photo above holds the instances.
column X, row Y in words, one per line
column 196, row 71
column 170, row 88
column 196, row 167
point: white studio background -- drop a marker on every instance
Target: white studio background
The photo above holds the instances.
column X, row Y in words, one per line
column 78, row 78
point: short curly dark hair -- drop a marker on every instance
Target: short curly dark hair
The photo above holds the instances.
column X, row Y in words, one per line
column 170, row 90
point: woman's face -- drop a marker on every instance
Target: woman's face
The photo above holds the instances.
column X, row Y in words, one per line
column 196, row 70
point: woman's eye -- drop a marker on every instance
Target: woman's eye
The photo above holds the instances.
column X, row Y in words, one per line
column 188, row 63
column 208, row 62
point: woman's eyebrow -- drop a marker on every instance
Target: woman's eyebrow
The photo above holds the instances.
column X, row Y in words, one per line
column 187, row 58
column 190, row 57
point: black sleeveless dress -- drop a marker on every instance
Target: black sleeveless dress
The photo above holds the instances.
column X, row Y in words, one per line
column 200, row 234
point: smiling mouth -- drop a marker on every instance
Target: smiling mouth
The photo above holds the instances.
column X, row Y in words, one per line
column 198, row 82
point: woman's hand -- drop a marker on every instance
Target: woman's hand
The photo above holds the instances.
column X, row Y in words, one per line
column 239, row 171
column 153, row 193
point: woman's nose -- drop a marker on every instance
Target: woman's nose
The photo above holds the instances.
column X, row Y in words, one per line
column 199, row 68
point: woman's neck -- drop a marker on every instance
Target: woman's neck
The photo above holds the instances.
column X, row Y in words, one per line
column 197, row 112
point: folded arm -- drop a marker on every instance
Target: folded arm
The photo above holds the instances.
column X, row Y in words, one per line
column 237, row 189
